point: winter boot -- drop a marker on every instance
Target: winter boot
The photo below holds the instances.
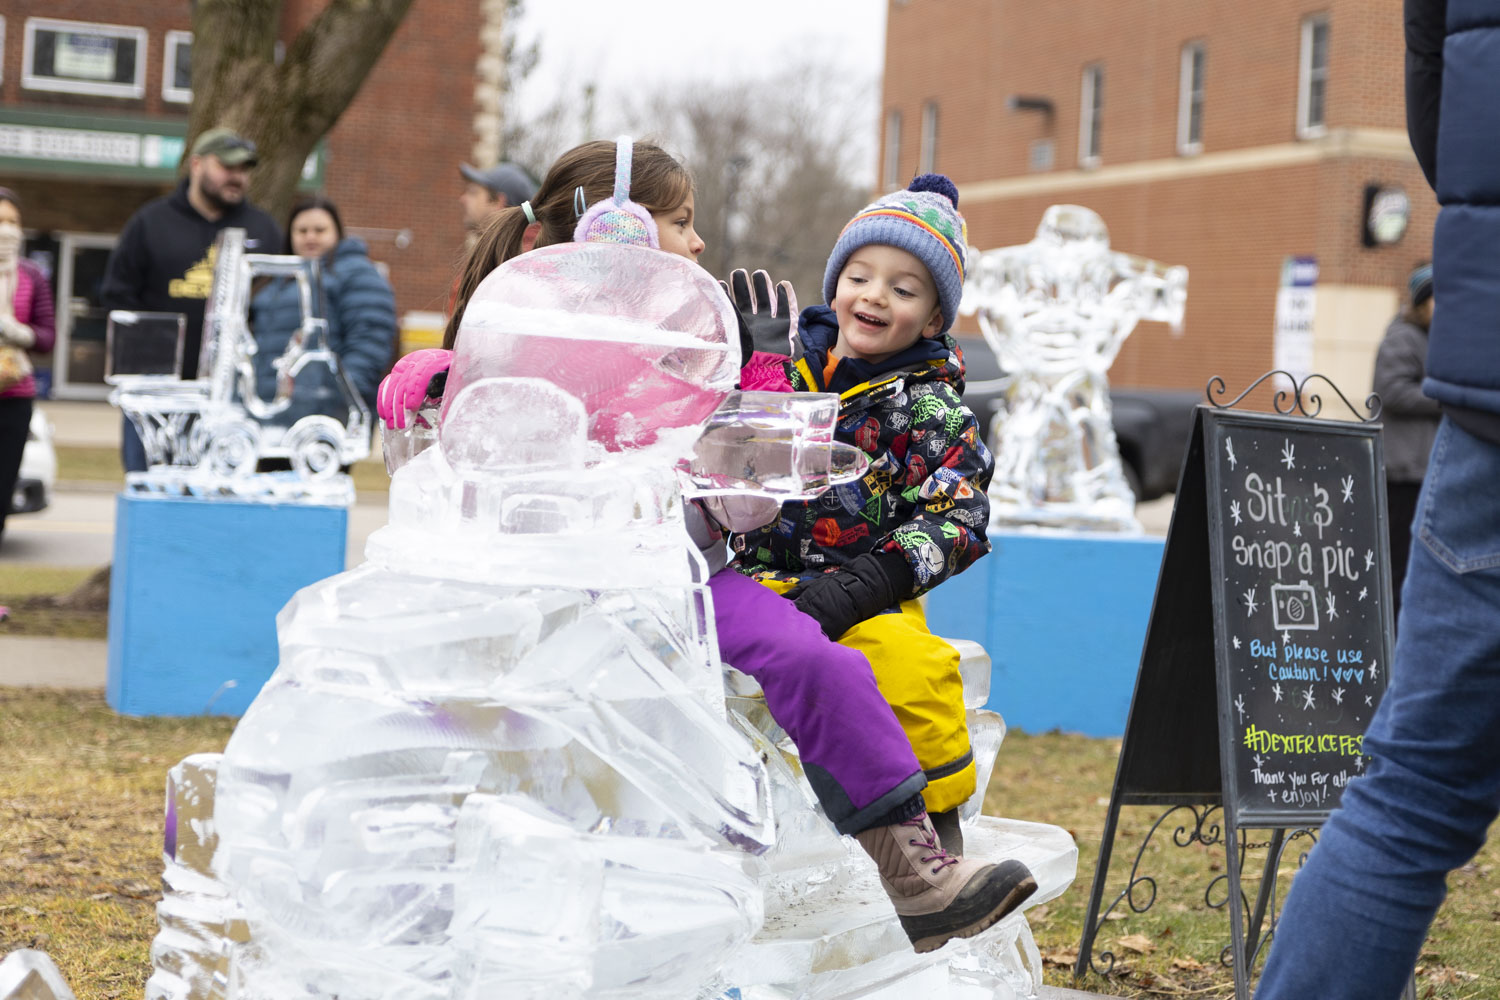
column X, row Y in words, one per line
column 939, row 896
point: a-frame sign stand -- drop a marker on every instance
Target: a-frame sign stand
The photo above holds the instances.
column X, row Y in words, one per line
column 1264, row 658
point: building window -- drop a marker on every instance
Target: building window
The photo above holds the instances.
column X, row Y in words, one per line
column 176, row 69
column 1088, row 121
column 1312, row 90
column 79, row 57
column 892, row 169
column 926, row 164
column 1190, row 101
column 2, row 47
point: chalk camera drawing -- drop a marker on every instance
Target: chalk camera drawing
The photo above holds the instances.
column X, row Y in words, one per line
column 1294, row 605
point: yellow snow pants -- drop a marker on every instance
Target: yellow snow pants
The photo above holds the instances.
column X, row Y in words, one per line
column 917, row 672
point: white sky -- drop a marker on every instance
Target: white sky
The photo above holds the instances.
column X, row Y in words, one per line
column 627, row 45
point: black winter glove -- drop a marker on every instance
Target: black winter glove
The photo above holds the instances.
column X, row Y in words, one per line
column 860, row 589
column 769, row 311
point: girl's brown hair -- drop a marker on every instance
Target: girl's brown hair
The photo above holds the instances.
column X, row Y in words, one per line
column 657, row 182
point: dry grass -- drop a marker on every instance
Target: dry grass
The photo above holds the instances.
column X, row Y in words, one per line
column 81, row 826
column 53, row 601
column 89, row 464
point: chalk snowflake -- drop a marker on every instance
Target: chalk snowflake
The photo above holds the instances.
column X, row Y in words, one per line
column 1271, row 794
column 1234, row 510
column 1297, row 528
column 1250, row 602
column 1368, row 702
column 1286, row 637
column 1338, row 696
column 1348, row 489
column 1229, row 450
column 1363, row 592
column 1258, row 762
column 1236, row 641
column 1374, row 669
column 1307, row 699
column 1276, row 690
column 1359, row 763
column 1369, row 558
column 1239, row 706
column 1288, row 455
column 1332, row 611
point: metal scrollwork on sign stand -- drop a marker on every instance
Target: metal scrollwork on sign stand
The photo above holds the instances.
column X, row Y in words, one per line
column 1297, row 400
column 1203, row 831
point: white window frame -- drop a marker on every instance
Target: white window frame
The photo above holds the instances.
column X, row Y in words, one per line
column 169, row 92
column 1307, row 74
column 890, row 170
column 31, row 81
column 1190, row 95
column 1089, row 108
column 926, row 163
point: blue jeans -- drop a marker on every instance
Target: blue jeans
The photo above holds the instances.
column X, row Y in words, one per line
column 1357, row 915
column 132, row 451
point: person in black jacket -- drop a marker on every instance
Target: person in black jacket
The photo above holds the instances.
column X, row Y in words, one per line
column 1410, row 417
column 1357, row 914
column 162, row 262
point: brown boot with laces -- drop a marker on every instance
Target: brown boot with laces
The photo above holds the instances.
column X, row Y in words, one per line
column 940, row 896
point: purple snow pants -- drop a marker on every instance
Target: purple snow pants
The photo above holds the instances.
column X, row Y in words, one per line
column 857, row 759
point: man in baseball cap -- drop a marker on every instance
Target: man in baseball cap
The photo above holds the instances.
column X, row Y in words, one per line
column 227, row 146
column 488, row 190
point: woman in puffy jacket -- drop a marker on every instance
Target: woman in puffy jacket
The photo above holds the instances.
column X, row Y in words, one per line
column 26, row 325
column 354, row 298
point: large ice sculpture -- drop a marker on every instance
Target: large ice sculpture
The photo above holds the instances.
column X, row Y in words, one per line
column 496, row 760
column 204, row 436
column 1056, row 312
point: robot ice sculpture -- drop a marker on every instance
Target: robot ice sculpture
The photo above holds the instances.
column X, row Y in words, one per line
column 1056, row 312
column 203, row 436
column 497, row 759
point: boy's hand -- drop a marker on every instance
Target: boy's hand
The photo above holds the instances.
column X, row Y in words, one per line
column 861, row 589
column 770, row 311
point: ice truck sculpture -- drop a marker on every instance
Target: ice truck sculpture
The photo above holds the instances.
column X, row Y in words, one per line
column 501, row 758
column 1056, row 312
column 204, row 436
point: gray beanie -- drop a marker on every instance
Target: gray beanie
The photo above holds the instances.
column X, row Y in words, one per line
column 923, row 220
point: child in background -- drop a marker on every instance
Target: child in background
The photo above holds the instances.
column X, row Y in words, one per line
column 824, row 695
column 857, row 558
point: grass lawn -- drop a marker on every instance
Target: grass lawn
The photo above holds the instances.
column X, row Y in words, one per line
column 79, row 463
column 80, row 857
column 31, row 592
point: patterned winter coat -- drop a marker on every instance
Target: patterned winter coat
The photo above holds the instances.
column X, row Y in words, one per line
column 924, row 494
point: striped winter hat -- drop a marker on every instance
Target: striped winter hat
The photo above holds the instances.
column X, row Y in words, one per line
column 923, row 220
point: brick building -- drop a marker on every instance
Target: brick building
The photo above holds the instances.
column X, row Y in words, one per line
column 1226, row 137
column 94, row 96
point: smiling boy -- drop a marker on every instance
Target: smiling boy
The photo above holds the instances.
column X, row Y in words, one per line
column 857, row 558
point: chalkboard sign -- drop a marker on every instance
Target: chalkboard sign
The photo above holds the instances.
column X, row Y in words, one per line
column 1301, row 593
column 1267, row 649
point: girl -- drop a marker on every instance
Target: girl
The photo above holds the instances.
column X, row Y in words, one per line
column 853, row 750
column 356, row 300
column 26, row 325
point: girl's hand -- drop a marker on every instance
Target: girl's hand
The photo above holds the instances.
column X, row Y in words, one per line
column 405, row 388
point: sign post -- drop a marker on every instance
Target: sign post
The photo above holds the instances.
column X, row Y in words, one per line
column 1267, row 650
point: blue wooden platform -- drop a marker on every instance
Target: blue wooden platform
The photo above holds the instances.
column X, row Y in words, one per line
column 194, row 593
column 1063, row 617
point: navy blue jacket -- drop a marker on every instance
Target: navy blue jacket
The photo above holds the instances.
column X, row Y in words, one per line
column 1453, row 118
column 361, row 314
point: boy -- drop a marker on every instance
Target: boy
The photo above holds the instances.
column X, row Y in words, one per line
column 857, row 558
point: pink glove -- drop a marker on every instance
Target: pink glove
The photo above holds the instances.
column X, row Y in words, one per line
column 405, row 388
column 766, row 372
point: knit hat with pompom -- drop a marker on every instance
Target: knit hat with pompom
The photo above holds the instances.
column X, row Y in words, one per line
column 923, row 220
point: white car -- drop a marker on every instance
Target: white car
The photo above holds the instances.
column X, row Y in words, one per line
column 38, row 468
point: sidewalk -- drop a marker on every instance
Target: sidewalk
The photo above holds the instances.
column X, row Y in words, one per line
column 33, row 661
column 82, row 423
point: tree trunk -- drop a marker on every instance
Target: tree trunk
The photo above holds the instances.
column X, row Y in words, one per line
column 285, row 109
